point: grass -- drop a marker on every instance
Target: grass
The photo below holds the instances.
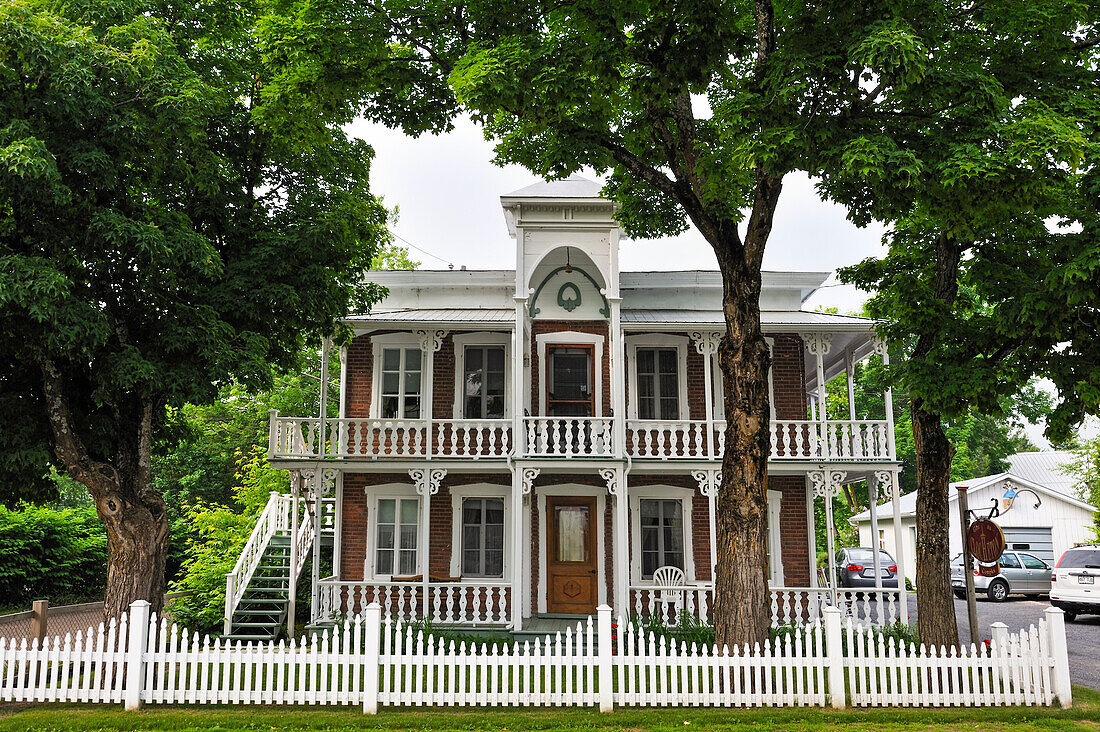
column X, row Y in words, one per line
column 1085, row 715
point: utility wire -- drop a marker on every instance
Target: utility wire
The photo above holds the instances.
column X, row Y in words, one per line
column 424, row 251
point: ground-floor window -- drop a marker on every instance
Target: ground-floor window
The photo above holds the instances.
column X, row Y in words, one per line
column 662, row 527
column 483, row 537
column 397, row 530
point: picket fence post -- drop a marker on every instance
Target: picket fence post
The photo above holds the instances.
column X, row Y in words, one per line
column 135, row 651
column 834, row 656
column 1056, row 637
column 373, row 621
column 603, row 646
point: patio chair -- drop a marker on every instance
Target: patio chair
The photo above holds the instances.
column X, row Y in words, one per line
column 669, row 577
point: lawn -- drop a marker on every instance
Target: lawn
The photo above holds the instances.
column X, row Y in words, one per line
column 27, row 718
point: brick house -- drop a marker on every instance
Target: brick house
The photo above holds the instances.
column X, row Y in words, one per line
column 545, row 439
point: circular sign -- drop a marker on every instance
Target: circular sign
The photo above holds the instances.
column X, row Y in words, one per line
column 986, row 541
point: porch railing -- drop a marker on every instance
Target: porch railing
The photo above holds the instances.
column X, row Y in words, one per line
column 372, row 439
column 788, row 604
column 274, row 519
column 463, row 602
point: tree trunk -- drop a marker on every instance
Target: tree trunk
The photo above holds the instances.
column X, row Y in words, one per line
column 741, row 601
column 935, row 604
column 132, row 510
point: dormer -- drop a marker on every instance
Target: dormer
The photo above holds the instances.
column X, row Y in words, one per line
column 567, row 248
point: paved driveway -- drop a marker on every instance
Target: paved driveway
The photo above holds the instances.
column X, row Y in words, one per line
column 1082, row 636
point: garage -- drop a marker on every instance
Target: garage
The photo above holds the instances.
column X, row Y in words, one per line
column 1033, row 540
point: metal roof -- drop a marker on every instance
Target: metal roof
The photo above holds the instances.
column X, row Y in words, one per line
column 1044, row 468
column 574, row 186
column 439, row 315
column 716, row 317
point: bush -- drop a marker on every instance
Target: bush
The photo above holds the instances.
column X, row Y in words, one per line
column 50, row 554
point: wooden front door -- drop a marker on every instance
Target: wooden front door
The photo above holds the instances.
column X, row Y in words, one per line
column 572, row 579
column 570, row 390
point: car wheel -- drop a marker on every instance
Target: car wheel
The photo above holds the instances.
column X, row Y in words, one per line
column 998, row 591
column 1070, row 616
column 961, row 594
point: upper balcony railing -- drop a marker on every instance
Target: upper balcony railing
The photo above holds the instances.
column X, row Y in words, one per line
column 565, row 437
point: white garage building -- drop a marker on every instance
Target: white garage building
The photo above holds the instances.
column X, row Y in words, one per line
column 1060, row 521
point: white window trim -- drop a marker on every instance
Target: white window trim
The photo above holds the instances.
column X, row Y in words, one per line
column 566, row 338
column 656, row 340
column 374, row 494
column 480, row 490
column 685, row 496
column 395, row 340
column 718, row 409
column 481, row 339
column 775, row 538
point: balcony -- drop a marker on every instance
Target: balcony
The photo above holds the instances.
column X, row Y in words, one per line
column 293, row 438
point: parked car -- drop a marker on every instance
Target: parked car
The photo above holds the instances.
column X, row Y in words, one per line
column 855, row 567
column 1073, row 585
column 1021, row 573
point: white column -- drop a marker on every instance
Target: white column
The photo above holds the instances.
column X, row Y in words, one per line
column 818, row 344
column 426, row 481
column 888, row 397
column 825, row 483
column 849, row 368
column 709, row 481
column 430, row 342
column 811, row 523
column 618, row 374
column 522, row 479
column 322, row 432
column 888, row 479
column 616, row 486
column 295, row 479
column 338, row 526
column 706, row 345
column 876, row 561
column 519, row 438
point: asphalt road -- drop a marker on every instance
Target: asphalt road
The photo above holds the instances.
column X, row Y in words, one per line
column 1082, row 635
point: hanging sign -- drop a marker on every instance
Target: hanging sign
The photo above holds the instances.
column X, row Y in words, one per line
column 989, row 570
column 985, row 541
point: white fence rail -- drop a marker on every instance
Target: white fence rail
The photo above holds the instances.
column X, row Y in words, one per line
column 369, row 661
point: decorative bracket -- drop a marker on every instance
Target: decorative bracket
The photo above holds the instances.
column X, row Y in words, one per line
column 427, row 480
column 527, row 478
column 818, row 344
column 608, row 474
column 888, row 488
column 709, row 481
column 706, row 343
column 431, row 340
column 879, row 345
column 826, row 483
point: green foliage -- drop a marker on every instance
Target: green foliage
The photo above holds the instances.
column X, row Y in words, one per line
column 687, row 629
column 1085, row 467
column 481, row 643
column 49, row 554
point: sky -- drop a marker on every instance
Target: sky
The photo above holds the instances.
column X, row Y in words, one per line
column 447, row 191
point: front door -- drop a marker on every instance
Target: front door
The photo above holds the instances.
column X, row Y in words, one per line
column 572, row 580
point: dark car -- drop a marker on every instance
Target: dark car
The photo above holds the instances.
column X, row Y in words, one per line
column 855, row 567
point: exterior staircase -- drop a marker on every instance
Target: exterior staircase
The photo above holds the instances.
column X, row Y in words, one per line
column 258, row 589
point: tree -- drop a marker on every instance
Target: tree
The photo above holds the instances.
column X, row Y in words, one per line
column 164, row 228
column 968, row 167
column 694, row 109
column 1085, row 467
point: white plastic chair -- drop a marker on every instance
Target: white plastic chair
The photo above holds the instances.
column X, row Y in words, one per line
column 669, row 577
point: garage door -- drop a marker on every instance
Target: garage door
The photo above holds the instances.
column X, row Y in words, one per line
column 1031, row 540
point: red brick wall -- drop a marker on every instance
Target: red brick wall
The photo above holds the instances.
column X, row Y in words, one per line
column 789, row 377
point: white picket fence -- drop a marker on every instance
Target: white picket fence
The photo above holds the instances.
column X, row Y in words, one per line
column 372, row 662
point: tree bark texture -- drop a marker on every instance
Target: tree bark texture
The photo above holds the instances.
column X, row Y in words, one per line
column 132, row 510
column 936, row 623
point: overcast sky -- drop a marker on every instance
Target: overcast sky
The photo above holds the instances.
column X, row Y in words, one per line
column 448, row 193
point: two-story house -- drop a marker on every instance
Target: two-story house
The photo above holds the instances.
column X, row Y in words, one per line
column 543, row 439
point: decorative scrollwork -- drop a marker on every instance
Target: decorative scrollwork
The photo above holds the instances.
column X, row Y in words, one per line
column 328, row 481
column 826, row 483
column 431, row 339
column 427, row 480
column 706, row 343
column 709, row 481
column 608, row 474
column 818, row 344
column 527, row 479
column 879, row 345
column 887, row 485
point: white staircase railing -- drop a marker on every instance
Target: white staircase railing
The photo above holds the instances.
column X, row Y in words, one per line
column 274, row 518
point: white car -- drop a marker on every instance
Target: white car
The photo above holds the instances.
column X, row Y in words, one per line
column 1075, row 582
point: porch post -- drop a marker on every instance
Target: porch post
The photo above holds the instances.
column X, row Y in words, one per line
column 706, row 345
column 825, row 483
column 849, row 368
column 322, row 411
column 883, row 351
column 520, row 486
column 889, row 480
column 618, row 374
column 617, row 487
column 292, row 581
column 430, row 342
column 338, row 526
column 818, row 344
column 811, row 523
column 315, row 579
column 426, row 481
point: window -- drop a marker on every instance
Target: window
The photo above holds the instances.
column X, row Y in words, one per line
column 1031, row 562
column 662, row 535
column 483, row 537
column 400, row 383
column 483, row 382
column 1010, row 561
column 396, row 541
column 658, row 383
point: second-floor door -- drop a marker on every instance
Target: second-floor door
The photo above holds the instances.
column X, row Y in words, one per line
column 570, row 388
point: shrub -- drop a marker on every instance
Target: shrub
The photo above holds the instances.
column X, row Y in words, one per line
column 50, row 554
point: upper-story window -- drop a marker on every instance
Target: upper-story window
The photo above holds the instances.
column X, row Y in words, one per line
column 483, row 382
column 658, row 383
column 400, row 383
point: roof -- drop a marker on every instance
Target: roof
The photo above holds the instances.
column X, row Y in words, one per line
column 908, row 502
column 1045, row 468
column 716, row 317
column 572, row 187
column 440, row 315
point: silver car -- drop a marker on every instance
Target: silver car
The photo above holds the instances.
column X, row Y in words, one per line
column 1023, row 574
